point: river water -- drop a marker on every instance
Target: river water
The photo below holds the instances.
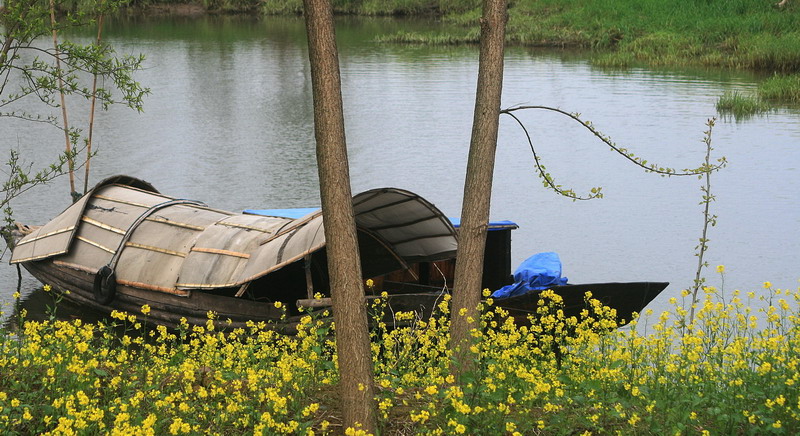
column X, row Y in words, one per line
column 229, row 122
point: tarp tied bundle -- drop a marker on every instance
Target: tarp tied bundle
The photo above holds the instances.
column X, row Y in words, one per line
column 540, row 271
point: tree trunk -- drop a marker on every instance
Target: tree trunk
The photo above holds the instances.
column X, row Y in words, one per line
column 344, row 268
column 478, row 185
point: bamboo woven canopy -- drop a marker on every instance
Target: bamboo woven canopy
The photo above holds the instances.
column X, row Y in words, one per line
column 171, row 245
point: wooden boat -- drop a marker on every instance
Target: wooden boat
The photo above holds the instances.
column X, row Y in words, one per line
column 124, row 245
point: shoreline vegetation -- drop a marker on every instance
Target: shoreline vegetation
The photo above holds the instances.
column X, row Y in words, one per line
column 732, row 369
column 755, row 35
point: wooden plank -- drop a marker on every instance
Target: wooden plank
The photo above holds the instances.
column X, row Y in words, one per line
column 95, row 244
column 221, row 251
column 75, row 266
column 121, row 201
column 156, row 249
column 149, row 287
column 103, row 226
column 174, row 223
column 38, row 237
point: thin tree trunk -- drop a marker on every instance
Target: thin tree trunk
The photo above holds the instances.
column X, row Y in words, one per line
column 478, row 185
column 91, row 113
column 70, row 160
column 344, row 268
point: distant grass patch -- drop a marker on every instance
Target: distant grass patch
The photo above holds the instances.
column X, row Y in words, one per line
column 781, row 88
column 656, row 49
column 466, row 37
column 740, row 105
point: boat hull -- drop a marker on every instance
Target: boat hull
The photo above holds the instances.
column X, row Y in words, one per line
column 625, row 298
column 165, row 309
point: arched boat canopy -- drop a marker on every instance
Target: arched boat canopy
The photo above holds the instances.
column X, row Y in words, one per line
column 157, row 242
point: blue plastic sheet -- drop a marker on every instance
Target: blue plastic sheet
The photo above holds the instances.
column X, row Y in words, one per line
column 540, row 271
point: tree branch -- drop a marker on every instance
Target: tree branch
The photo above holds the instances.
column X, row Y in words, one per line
column 623, row 151
column 549, row 182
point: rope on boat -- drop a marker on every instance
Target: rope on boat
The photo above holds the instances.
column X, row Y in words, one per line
column 105, row 283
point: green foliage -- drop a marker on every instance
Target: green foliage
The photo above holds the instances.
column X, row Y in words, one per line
column 26, row 21
column 20, row 177
column 33, row 69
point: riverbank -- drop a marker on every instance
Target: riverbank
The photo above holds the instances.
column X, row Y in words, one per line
column 755, row 35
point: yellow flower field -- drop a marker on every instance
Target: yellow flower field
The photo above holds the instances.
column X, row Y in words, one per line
column 733, row 370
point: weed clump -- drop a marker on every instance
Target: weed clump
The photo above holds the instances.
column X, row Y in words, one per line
column 741, row 106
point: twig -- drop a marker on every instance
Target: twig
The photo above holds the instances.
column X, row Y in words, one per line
column 596, row 192
column 707, row 219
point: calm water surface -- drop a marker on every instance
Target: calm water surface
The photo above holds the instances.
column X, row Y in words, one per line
column 229, row 122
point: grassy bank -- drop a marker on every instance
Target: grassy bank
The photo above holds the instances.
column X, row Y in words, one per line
column 732, row 371
column 746, row 34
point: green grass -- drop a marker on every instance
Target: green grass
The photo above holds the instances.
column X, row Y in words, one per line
column 741, row 106
column 781, row 88
column 447, row 38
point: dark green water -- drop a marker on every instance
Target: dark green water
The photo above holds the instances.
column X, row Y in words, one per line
column 229, row 122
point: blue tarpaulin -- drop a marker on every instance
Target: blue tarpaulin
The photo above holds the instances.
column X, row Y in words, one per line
column 303, row 211
column 283, row 213
column 540, row 271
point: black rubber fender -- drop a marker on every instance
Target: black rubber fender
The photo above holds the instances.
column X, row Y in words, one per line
column 105, row 285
